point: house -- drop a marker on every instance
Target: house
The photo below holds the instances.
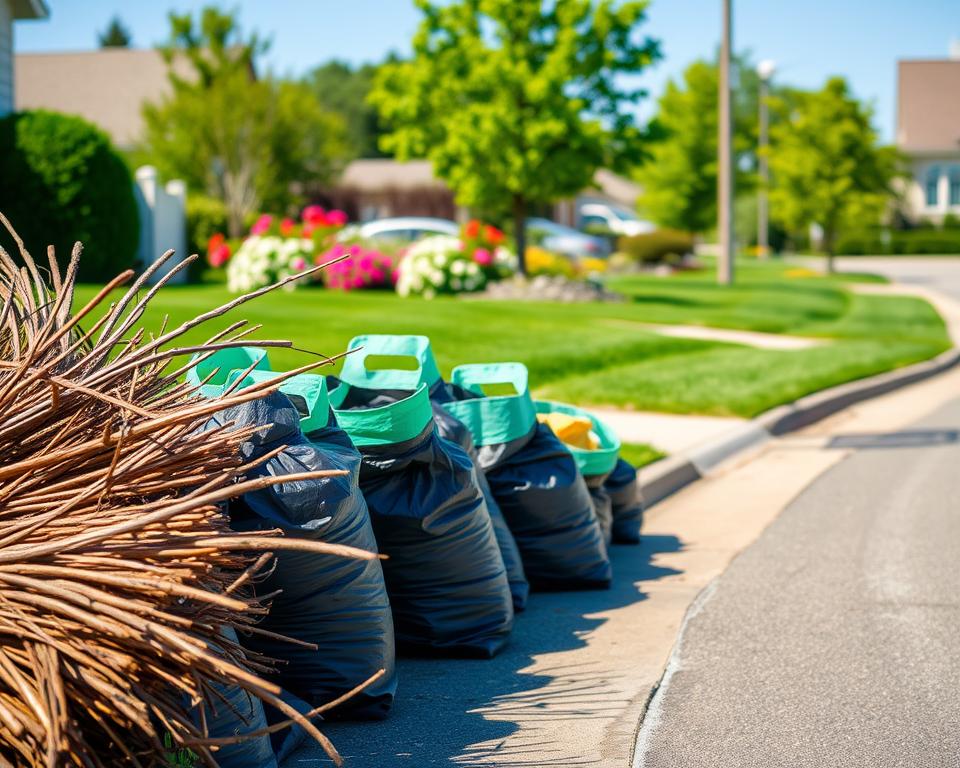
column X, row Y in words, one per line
column 928, row 133
column 11, row 11
column 107, row 87
column 381, row 187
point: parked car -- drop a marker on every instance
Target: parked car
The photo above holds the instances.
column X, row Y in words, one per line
column 566, row 240
column 613, row 218
column 405, row 229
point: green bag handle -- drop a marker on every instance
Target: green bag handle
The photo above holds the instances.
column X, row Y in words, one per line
column 224, row 362
column 307, row 392
column 356, row 373
column 387, row 424
column 498, row 418
column 599, row 461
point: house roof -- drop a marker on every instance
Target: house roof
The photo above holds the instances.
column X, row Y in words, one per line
column 375, row 174
column 107, row 87
column 928, row 105
column 29, row 9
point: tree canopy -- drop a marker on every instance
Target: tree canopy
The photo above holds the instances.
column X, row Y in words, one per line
column 827, row 166
column 252, row 143
column 517, row 101
column 116, row 35
column 342, row 88
column 679, row 176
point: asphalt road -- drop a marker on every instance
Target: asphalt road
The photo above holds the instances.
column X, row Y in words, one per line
column 939, row 272
column 835, row 639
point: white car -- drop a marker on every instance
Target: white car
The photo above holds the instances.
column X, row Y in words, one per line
column 405, row 228
column 620, row 221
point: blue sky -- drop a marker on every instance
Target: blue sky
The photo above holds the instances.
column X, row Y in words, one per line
column 809, row 39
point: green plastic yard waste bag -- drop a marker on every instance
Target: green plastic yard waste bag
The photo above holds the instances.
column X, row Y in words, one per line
column 534, row 479
column 444, row 572
column 595, row 465
column 218, row 367
column 416, row 351
column 337, row 604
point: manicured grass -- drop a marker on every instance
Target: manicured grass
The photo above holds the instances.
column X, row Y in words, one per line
column 640, row 454
column 599, row 353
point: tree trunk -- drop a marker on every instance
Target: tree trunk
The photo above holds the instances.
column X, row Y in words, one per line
column 828, row 248
column 520, row 231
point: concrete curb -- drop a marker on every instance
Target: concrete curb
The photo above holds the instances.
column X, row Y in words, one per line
column 668, row 476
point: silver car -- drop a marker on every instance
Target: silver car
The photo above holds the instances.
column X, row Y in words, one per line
column 566, row 240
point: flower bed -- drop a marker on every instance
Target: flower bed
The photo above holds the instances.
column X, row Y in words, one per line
column 444, row 265
column 363, row 268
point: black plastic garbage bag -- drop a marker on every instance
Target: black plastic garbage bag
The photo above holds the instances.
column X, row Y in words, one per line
column 234, row 712
column 444, row 572
column 627, row 504
column 416, row 350
column 534, row 479
column 337, row 604
column 595, row 464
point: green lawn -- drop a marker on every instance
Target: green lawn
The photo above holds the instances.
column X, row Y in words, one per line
column 640, row 454
column 599, row 354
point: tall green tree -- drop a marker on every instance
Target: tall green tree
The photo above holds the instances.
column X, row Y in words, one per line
column 342, row 88
column 252, row 143
column 517, row 102
column 116, row 35
column 679, row 176
column 826, row 163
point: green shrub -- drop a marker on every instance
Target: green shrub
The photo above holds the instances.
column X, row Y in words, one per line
column 63, row 182
column 663, row 245
column 205, row 216
column 926, row 241
column 908, row 242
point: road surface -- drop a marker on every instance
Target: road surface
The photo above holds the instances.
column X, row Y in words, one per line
column 834, row 640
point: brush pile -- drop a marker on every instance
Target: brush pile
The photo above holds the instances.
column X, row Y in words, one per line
column 120, row 580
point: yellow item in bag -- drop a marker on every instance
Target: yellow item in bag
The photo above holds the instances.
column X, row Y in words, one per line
column 572, row 430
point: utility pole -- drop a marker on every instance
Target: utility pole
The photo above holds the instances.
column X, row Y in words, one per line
column 725, row 156
column 765, row 70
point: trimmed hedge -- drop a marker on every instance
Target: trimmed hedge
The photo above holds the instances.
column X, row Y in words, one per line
column 908, row 242
column 662, row 245
column 63, row 182
column 205, row 217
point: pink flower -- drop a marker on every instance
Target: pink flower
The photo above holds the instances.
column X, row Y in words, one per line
column 366, row 263
column 483, row 257
column 262, row 224
column 354, row 250
column 336, row 218
column 376, row 275
column 357, row 282
column 315, row 216
column 299, row 264
column 286, row 226
column 219, row 256
column 394, row 275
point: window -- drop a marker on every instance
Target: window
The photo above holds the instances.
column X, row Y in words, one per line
column 954, row 193
column 932, row 186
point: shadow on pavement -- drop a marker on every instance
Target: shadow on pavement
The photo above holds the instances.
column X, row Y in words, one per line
column 461, row 711
column 917, row 438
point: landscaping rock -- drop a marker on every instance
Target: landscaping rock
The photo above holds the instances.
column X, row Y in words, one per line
column 548, row 288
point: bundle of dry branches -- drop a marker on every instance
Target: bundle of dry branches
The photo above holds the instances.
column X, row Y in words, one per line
column 118, row 573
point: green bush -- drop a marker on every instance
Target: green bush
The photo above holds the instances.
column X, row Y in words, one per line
column 63, row 182
column 660, row 246
column 909, row 242
column 205, row 216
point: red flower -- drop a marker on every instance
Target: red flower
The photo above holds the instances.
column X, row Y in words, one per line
column 287, row 226
column 472, row 228
column 493, row 235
